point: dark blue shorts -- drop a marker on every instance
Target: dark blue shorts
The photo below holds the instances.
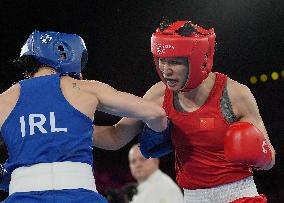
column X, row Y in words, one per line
column 56, row 196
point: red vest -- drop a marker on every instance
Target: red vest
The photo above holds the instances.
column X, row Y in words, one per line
column 198, row 139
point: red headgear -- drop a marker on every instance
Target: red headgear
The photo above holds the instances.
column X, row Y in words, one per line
column 196, row 46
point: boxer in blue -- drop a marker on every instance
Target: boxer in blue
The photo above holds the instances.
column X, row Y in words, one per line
column 46, row 122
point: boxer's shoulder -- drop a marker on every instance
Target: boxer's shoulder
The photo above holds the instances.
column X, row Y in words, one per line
column 240, row 96
column 10, row 94
column 156, row 92
column 8, row 100
column 81, row 85
column 237, row 90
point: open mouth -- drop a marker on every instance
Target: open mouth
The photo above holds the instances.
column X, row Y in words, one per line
column 171, row 82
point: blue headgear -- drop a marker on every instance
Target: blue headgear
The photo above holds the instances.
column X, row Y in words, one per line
column 66, row 53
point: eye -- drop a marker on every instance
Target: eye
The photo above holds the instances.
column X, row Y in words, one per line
column 175, row 62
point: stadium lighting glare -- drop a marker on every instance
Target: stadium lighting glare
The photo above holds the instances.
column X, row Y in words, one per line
column 263, row 77
column 253, row 79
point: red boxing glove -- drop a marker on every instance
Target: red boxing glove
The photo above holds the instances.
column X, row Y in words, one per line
column 245, row 144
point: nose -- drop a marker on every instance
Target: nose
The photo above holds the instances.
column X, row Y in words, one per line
column 167, row 70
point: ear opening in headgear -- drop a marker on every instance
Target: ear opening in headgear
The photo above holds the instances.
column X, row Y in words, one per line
column 205, row 62
column 62, row 51
column 60, row 48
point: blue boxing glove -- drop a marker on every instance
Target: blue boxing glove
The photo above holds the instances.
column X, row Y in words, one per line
column 155, row 144
column 5, row 178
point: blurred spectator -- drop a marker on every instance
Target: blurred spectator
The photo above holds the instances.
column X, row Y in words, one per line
column 154, row 186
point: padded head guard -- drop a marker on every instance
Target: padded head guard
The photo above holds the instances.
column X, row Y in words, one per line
column 66, row 53
column 184, row 39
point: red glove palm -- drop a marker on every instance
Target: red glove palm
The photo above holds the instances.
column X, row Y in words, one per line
column 244, row 143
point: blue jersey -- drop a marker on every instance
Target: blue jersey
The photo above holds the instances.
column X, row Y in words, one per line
column 44, row 127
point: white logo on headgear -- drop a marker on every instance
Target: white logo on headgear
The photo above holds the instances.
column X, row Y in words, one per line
column 264, row 150
column 161, row 48
column 45, row 38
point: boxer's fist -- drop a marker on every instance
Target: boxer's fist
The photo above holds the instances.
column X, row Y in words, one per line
column 155, row 144
column 244, row 143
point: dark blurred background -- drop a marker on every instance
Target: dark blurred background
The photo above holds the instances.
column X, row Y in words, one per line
column 250, row 45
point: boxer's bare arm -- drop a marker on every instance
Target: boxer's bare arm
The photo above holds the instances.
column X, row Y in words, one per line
column 8, row 100
column 128, row 105
column 89, row 96
column 156, row 93
column 118, row 135
column 245, row 107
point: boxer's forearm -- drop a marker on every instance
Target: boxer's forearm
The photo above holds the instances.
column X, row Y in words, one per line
column 116, row 136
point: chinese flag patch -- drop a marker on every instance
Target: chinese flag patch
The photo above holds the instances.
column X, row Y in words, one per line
column 206, row 123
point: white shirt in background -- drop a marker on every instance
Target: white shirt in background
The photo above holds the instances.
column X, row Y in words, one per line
column 158, row 188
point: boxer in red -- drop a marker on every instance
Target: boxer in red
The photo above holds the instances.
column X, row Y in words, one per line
column 215, row 128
